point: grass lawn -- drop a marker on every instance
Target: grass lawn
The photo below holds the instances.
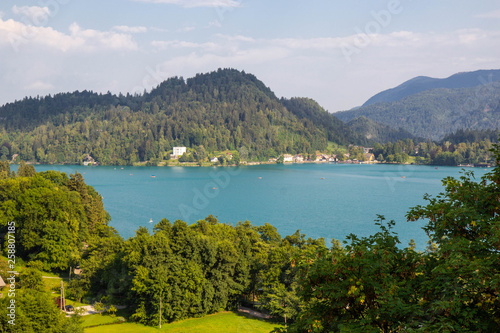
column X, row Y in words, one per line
column 93, row 320
column 217, row 323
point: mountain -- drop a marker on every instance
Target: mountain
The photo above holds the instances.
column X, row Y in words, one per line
column 221, row 110
column 376, row 132
column 437, row 112
column 337, row 131
column 424, row 83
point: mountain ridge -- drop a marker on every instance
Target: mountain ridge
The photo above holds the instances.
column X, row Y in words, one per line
column 437, row 112
column 424, row 83
column 222, row 110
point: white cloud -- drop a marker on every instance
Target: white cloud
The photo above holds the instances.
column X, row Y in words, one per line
column 214, row 23
column 186, row 29
column 39, row 85
column 197, row 3
column 128, row 29
column 95, row 39
column 18, row 34
column 35, row 15
column 495, row 14
column 182, row 45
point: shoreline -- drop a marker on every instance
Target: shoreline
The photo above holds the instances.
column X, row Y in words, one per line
column 193, row 164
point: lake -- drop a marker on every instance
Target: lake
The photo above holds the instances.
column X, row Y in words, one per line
column 322, row 200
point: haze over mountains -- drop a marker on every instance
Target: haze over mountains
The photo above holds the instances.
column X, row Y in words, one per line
column 423, row 83
column 433, row 108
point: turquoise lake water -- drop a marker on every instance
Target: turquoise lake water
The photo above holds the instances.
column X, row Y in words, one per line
column 322, row 200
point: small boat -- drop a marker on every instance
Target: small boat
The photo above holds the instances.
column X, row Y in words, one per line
column 260, row 177
column 436, row 168
column 153, row 176
column 214, row 188
column 150, row 220
column 403, row 177
column 322, row 178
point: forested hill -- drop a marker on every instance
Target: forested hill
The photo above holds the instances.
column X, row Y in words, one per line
column 224, row 109
column 378, row 132
column 438, row 112
column 337, row 131
column 423, row 83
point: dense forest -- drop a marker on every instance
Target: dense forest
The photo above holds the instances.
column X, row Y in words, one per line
column 364, row 284
column 377, row 132
column 229, row 110
column 438, row 112
column 222, row 110
column 462, row 147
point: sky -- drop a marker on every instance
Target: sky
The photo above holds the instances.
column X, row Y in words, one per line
column 338, row 52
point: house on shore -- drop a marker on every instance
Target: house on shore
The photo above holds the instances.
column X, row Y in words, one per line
column 369, row 157
column 287, row 158
column 178, row 151
column 89, row 160
column 298, row 158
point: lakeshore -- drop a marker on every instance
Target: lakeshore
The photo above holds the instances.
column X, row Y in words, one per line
column 321, row 199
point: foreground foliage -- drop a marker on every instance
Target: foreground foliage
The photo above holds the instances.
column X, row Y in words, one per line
column 179, row 271
column 371, row 284
column 182, row 271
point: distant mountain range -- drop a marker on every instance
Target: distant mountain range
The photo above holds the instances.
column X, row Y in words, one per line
column 424, row 83
column 433, row 108
column 232, row 110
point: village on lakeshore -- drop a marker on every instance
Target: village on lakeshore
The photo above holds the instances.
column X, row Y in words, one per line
column 185, row 157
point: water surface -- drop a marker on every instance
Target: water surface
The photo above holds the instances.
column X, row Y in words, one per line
column 322, row 200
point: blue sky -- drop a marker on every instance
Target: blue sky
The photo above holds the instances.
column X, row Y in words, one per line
column 338, row 52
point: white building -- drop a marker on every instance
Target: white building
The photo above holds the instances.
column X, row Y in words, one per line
column 287, row 158
column 179, row 151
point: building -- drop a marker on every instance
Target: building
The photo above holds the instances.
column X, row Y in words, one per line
column 298, row 158
column 369, row 157
column 89, row 160
column 287, row 158
column 179, row 151
column 214, row 160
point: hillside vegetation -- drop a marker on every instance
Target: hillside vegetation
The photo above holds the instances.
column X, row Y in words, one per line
column 223, row 110
column 436, row 113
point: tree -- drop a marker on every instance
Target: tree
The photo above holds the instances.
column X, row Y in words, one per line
column 25, row 170
column 32, row 279
column 463, row 274
column 99, row 307
column 236, row 158
column 4, row 153
column 112, row 310
column 367, row 286
column 243, row 153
